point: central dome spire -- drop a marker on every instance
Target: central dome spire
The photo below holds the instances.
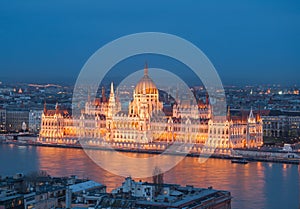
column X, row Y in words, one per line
column 146, row 69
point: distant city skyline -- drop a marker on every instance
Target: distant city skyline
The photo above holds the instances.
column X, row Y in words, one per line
column 249, row 42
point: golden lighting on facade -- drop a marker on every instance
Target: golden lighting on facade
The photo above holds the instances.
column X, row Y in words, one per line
column 102, row 121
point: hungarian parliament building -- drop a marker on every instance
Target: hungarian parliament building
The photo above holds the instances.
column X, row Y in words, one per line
column 145, row 122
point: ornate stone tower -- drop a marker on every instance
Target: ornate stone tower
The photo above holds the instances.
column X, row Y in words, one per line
column 254, row 131
column 111, row 111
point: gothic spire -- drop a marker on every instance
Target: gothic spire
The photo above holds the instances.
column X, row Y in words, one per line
column 228, row 113
column 56, row 108
column 251, row 118
column 103, row 94
column 251, row 114
column 112, row 88
column 112, row 93
column 45, row 107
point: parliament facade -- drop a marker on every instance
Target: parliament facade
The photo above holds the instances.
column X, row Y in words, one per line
column 145, row 122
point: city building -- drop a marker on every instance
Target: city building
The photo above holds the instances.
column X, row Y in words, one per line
column 48, row 197
column 2, row 120
column 145, row 122
column 87, row 192
column 11, row 202
column 17, row 119
column 35, row 120
column 41, row 191
column 37, row 190
column 10, row 198
column 160, row 195
column 281, row 124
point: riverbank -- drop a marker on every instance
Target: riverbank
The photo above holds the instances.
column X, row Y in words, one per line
column 248, row 154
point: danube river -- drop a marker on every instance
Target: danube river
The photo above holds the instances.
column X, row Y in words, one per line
column 255, row 185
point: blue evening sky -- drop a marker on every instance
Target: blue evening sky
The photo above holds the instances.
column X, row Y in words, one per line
column 253, row 41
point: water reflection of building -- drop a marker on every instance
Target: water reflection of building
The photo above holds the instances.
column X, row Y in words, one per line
column 146, row 122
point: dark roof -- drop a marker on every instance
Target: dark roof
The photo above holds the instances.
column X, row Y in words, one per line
column 286, row 113
column 64, row 113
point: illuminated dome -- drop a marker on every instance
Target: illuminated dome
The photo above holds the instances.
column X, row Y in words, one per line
column 146, row 83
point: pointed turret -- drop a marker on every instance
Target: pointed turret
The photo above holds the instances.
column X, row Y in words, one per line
column 251, row 113
column 228, row 113
column 103, row 94
column 45, row 107
column 251, row 118
column 112, row 93
column 56, row 108
column 111, row 102
column 112, row 88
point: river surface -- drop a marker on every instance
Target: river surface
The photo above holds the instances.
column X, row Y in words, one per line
column 254, row 185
